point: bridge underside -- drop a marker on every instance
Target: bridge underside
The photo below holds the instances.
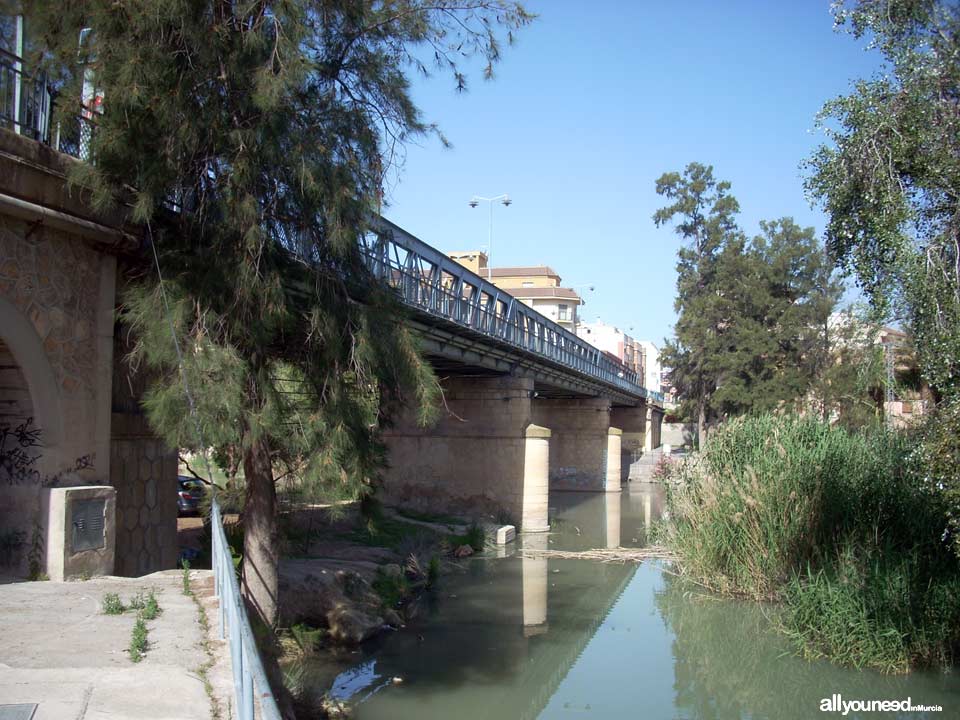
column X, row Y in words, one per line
column 512, row 428
column 455, row 351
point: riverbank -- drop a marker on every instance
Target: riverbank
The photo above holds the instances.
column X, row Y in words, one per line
column 837, row 526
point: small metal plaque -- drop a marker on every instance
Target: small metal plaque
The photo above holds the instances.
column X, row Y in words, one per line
column 87, row 517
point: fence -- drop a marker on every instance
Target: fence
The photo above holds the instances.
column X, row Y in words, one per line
column 249, row 678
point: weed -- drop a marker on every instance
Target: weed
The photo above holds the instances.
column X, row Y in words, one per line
column 138, row 640
column 147, row 605
column 392, row 589
column 433, row 570
column 112, row 605
column 186, row 578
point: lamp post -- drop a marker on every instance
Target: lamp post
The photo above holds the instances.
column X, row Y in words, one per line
column 474, row 201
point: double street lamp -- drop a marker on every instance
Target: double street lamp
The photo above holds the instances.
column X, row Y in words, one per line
column 476, row 200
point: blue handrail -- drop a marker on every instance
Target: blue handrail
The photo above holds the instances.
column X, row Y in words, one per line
column 249, row 678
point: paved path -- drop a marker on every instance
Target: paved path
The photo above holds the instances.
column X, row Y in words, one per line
column 58, row 649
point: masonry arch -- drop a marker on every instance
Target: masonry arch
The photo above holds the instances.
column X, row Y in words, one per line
column 19, row 340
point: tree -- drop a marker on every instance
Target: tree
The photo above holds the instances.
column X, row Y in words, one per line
column 251, row 139
column 889, row 176
column 752, row 314
column 889, row 180
column 706, row 211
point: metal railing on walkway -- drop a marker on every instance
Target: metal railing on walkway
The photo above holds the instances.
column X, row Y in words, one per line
column 249, row 677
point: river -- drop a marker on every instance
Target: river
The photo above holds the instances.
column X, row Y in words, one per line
column 510, row 638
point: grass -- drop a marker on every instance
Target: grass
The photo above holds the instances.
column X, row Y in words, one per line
column 833, row 523
column 147, row 605
column 138, row 640
column 474, row 536
column 392, row 589
column 186, row 578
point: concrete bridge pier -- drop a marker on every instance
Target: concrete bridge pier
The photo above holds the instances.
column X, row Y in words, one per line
column 584, row 448
column 484, row 455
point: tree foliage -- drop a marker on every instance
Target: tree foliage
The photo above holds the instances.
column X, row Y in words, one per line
column 752, row 314
column 252, row 139
column 889, row 175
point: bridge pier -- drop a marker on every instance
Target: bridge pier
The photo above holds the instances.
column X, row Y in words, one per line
column 483, row 454
column 633, row 422
column 584, row 449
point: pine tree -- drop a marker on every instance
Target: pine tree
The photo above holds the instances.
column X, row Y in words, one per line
column 752, row 314
column 268, row 126
column 707, row 221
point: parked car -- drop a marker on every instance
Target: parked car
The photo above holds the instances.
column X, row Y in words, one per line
column 190, row 493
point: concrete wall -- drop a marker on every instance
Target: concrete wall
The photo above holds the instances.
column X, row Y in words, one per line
column 677, row 434
column 473, row 459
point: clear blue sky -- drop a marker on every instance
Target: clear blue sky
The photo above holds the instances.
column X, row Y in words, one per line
column 598, row 99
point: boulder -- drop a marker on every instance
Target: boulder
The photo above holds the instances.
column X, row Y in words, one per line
column 341, row 601
column 351, row 625
column 463, row 551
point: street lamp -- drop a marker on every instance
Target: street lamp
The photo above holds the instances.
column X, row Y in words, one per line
column 474, row 201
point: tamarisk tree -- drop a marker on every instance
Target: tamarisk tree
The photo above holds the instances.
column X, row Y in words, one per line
column 268, row 126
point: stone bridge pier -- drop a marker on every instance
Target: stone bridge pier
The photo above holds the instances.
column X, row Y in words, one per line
column 484, row 455
column 584, row 447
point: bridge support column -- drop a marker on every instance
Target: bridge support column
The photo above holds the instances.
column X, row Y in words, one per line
column 633, row 422
column 483, row 457
column 580, row 443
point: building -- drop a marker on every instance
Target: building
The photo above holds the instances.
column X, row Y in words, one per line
column 537, row 286
column 641, row 356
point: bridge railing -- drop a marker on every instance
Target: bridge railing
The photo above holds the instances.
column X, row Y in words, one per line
column 433, row 283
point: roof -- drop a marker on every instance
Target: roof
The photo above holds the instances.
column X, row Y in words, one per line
column 543, row 292
column 522, row 271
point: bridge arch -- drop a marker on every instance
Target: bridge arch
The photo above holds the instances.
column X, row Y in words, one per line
column 23, row 343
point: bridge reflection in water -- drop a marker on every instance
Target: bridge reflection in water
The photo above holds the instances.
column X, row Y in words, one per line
column 500, row 636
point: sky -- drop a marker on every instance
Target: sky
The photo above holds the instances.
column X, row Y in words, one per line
column 596, row 100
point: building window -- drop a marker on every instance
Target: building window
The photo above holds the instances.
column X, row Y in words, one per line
column 563, row 312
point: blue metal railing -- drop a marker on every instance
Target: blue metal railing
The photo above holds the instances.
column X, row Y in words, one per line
column 431, row 282
column 249, row 678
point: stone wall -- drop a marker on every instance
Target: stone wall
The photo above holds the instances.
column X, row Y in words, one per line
column 56, row 294
column 578, row 441
column 472, row 461
column 144, row 472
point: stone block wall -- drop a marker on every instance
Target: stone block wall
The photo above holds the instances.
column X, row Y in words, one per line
column 578, row 442
column 144, row 472
column 472, row 461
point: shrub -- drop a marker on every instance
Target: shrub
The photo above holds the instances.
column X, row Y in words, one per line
column 138, row 640
column 112, row 605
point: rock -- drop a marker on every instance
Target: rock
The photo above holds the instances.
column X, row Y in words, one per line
column 463, row 551
column 352, row 625
column 341, row 601
column 392, row 617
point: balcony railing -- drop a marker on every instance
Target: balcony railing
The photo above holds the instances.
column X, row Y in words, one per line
column 26, row 107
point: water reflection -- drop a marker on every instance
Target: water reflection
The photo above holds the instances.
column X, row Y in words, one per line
column 729, row 663
column 519, row 637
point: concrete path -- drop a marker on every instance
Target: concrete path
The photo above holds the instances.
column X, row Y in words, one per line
column 58, row 650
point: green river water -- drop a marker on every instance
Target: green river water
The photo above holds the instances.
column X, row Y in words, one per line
column 512, row 638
